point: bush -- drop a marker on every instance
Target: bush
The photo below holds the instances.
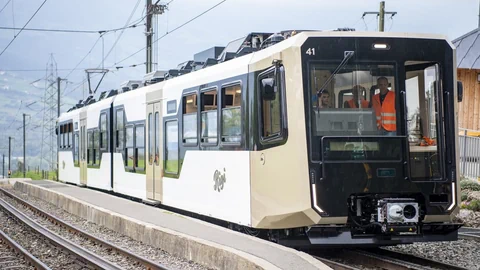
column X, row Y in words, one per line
column 464, row 195
column 469, row 185
column 472, row 205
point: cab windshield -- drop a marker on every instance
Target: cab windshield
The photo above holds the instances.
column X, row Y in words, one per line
column 346, row 105
column 360, row 114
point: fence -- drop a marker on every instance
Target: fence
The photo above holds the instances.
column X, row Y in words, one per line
column 469, row 142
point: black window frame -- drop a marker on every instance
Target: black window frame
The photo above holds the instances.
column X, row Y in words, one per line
column 76, row 149
column 125, row 149
column 221, row 107
column 165, row 149
column 120, row 147
column 282, row 136
column 136, row 148
column 103, row 132
column 151, row 138
column 199, row 119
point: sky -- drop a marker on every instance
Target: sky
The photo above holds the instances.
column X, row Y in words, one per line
column 228, row 21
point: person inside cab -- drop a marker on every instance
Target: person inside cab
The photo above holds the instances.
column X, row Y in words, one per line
column 384, row 105
column 323, row 100
column 354, row 103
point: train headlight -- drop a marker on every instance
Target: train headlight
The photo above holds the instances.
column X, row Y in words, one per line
column 380, row 46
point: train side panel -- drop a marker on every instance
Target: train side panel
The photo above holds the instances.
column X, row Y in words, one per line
column 126, row 180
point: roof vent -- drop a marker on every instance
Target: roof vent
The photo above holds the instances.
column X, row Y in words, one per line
column 272, row 40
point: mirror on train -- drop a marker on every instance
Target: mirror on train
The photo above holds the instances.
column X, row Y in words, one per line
column 268, row 89
column 459, row 91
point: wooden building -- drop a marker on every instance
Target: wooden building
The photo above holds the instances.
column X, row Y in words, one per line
column 468, row 72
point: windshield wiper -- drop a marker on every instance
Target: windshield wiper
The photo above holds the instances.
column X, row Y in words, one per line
column 346, row 57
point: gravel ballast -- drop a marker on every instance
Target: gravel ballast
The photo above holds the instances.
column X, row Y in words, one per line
column 8, row 258
column 463, row 253
column 152, row 253
column 37, row 245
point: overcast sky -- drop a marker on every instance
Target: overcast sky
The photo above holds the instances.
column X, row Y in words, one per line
column 230, row 20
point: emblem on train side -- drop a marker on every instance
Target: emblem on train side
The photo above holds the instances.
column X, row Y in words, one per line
column 219, row 178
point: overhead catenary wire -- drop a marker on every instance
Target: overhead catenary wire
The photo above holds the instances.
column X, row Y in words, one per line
column 38, row 9
column 120, row 35
column 133, row 25
column 173, row 30
column 8, row 2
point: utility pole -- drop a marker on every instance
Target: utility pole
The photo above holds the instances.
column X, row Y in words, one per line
column 381, row 14
column 152, row 9
column 9, row 155
column 3, row 166
column 149, row 34
column 24, row 144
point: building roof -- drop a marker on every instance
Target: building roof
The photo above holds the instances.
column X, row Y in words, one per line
column 468, row 50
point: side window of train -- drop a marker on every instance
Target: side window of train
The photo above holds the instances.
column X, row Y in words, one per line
column 272, row 104
column 103, row 132
column 139, row 148
column 119, row 130
column 70, row 135
column 129, row 155
column 231, row 113
column 151, row 138
column 62, row 138
column 208, row 110
column 171, row 148
column 189, row 115
column 76, row 153
column 89, row 148
column 96, row 148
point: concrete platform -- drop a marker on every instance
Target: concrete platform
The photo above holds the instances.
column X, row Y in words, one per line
column 182, row 236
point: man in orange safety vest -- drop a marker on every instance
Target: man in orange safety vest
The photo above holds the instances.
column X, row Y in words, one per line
column 357, row 91
column 384, row 106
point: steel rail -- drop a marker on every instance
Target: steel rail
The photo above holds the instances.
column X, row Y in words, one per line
column 144, row 261
column 335, row 265
column 82, row 254
column 32, row 260
column 469, row 233
column 380, row 258
column 409, row 261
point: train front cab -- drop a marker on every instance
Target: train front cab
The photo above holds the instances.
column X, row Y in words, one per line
column 381, row 178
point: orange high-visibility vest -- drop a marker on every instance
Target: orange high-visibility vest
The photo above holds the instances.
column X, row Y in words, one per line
column 386, row 116
column 354, row 104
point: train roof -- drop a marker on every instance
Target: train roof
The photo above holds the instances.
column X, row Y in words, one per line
column 251, row 43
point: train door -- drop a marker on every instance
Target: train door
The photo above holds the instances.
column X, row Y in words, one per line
column 154, row 152
column 83, row 148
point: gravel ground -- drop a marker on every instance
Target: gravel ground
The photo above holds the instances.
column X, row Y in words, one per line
column 36, row 245
column 469, row 217
column 463, row 253
column 8, row 258
column 139, row 248
column 103, row 252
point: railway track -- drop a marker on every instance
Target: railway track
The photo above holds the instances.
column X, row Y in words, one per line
column 88, row 257
column 14, row 256
column 377, row 258
column 469, row 233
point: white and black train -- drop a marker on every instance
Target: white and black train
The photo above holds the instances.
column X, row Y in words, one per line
column 309, row 138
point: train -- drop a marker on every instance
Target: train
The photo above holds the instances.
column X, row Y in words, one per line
column 306, row 138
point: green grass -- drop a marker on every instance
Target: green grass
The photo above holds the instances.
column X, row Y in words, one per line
column 34, row 175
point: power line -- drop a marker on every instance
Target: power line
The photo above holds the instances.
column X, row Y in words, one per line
column 119, row 36
column 38, row 9
column 8, row 2
column 72, row 30
column 178, row 27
